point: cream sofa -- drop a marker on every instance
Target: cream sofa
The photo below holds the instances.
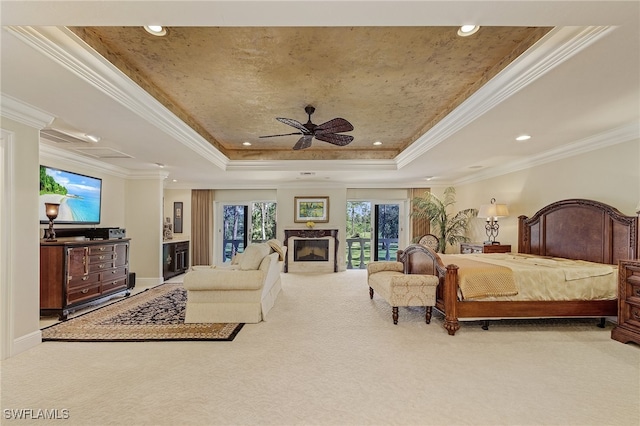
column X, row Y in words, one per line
column 243, row 292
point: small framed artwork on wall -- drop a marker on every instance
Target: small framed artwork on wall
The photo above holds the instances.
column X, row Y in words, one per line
column 177, row 217
column 311, row 209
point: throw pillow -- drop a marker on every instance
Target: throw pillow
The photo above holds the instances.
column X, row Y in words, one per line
column 277, row 247
column 235, row 260
column 253, row 255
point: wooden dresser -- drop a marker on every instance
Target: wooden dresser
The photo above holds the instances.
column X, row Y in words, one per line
column 467, row 248
column 628, row 328
column 78, row 273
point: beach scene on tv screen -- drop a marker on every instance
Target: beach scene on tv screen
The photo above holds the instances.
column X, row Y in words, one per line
column 78, row 195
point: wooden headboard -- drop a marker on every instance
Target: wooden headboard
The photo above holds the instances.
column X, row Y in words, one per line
column 579, row 229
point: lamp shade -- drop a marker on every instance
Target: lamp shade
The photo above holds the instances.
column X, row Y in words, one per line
column 493, row 210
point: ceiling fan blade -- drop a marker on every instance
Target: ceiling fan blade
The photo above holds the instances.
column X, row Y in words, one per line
column 303, row 143
column 294, row 123
column 336, row 139
column 336, row 125
column 283, row 134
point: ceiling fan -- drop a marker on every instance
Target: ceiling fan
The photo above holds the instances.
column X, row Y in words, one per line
column 326, row 132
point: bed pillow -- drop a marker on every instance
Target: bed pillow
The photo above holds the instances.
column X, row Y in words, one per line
column 253, row 255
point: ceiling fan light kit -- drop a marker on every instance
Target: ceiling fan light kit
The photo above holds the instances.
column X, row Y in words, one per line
column 326, row 132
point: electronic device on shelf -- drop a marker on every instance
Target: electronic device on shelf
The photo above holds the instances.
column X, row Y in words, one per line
column 106, row 233
column 93, row 233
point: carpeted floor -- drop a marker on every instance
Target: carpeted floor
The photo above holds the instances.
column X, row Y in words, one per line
column 156, row 314
column 328, row 355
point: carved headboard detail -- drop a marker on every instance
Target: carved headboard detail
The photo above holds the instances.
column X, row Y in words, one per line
column 579, row 229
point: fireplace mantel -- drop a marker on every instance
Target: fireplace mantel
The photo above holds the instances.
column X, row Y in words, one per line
column 311, row 234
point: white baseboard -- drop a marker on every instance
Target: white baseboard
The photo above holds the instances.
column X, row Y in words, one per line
column 149, row 282
column 26, row 342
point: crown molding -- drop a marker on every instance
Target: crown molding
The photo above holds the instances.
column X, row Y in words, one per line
column 624, row 133
column 311, row 165
column 68, row 50
column 49, row 152
column 556, row 47
column 24, row 113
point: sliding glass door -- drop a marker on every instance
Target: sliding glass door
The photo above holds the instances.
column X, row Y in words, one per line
column 373, row 232
column 387, row 231
column 234, row 224
column 244, row 223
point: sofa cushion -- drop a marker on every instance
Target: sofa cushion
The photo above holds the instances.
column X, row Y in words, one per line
column 253, row 255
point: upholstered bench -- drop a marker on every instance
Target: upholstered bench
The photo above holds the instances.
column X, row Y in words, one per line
column 397, row 288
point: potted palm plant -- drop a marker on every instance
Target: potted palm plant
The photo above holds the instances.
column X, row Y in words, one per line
column 449, row 228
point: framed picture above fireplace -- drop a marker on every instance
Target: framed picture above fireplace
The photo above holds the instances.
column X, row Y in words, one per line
column 311, row 209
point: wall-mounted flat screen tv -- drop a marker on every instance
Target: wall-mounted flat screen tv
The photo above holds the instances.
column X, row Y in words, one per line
column 79, row 196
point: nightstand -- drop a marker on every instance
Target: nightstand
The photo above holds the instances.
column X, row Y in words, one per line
column 467, row 248
column 628, row 328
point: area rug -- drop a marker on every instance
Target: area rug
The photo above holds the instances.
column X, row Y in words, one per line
column 156, row 314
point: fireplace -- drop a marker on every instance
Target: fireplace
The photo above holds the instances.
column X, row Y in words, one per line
column 311, row 250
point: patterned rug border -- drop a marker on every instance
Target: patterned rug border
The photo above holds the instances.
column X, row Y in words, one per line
column 196, row 332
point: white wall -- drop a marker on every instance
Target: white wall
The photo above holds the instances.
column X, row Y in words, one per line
column 20, row 279
column 182, row 196
column 610, row 175
column 143, row 220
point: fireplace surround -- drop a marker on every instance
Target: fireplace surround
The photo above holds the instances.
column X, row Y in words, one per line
column 311, row 250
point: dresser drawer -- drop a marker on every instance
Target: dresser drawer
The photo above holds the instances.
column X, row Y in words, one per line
column 114, row 274
column 631, row 315
column 633, row 287
column 82, row 293
column 96, row 250
column 83, row 280
column 119, row 284
column 97, row 267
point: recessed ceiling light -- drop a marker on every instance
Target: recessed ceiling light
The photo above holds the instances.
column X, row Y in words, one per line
column 428, row 178
column 377, row 143
column 156, row 30
column 523, row 138
column 160, row 165
column 92, row 138
column 246, row 143
column 467, row 30
column 175, row 180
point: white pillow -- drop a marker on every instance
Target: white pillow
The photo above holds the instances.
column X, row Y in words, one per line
column 253, row 255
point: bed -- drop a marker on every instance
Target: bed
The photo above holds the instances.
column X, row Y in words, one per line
column 576, row 230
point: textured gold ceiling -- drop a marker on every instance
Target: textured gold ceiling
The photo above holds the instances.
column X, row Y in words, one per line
column 230, row 83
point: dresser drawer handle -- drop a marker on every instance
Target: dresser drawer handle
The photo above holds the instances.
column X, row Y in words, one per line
column 636, row 315
column 102, row 248
column 85, row 278
column 101, row 266
column 637, row 291
column 85, row 291
column 101, row 257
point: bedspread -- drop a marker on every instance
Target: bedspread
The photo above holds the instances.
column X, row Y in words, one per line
column 543, row 278
column 479, row 279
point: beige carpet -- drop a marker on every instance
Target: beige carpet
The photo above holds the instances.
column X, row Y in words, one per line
column 152, row 315
column 328, row 355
